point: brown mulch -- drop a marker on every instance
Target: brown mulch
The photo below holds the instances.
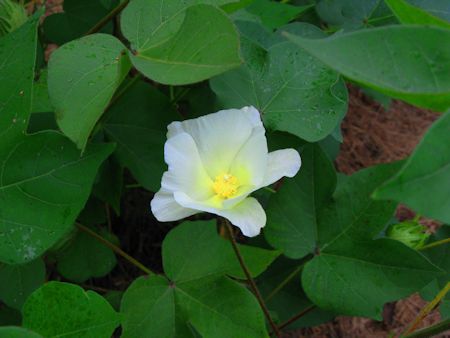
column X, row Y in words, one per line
column 373, row 135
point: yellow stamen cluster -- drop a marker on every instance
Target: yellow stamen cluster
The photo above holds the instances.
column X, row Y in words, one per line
column 226, row 185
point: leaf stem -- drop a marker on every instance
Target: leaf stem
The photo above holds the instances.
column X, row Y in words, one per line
column 250, row 279
column 427, row 309
column 99, row 25
column 296, row 317
column 432, row 245
column 116, row 249
column 430, row 331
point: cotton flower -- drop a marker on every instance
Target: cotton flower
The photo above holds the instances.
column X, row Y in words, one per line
column 214, row 163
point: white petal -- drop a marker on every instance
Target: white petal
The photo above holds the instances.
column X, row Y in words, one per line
column 250, row 163
column 166, row 209
column 247, row 215
column 281, row 163
column 219, row 136
column 186, row 172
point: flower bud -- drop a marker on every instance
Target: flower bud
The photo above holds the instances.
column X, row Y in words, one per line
column 12, row 16
column 410, row 233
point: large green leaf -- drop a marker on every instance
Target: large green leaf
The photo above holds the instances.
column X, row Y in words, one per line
column 140, row 132
column 213, row 307
column 44, row 185
column 82, row 78
column 358, row 277
column 17, row 332
column 406, row 62
column 77, row 18
column 293, row 91
column 424, row 181
column 408, row 14
column 354, row 14
column 66, row 310
column 353, row 213
column 17, row 282
column 292, row 212
column 211, row 255
column 180, row 42
column 85, row 258
column 18, row 54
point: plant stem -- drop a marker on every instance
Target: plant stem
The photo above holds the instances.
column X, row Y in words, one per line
column 430, row 331
column 99, row 25
column 296, row 317
column 427, row 309
column 432, row 245
column 250, row 279
column 284, row 282
column 116, row 249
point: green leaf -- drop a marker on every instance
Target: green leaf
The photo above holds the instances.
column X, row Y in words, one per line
column 405, row 62
column 211, row 255
column 358, row 277
column 275, row 14
column 293, row 91
column 292, row 212
column 18, row 54
column 82, row 78
column 213, row 307
column 177, row 44
column 62, row 309
column 408, row 14
column 140, row 133
column 85, row 258
column 17, row 332
column 423, row 182
column 354, row 14
column 353, row 213
column 17, row 282
column 77, row 18
column 44, row 185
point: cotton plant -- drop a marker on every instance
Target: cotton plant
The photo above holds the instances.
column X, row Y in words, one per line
column 214, row 163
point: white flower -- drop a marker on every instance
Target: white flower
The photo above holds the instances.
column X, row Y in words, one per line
column 215, row 162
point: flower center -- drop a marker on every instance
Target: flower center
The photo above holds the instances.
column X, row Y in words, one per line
column 226, row 185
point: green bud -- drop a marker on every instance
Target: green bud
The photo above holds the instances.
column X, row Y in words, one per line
column 12, row 16
column 410, row 233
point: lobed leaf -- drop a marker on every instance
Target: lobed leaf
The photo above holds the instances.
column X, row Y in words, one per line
column 406, row 62
column 180, row 42
column 62, row 309
column 82, row 78
column 423, row 183
column 210, row 256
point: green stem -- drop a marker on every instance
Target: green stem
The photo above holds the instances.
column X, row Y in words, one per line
column 431, row 330
column 116, row 249
column 432, row 245
column 250, row 280
column 99, row 25
column 427, row 309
